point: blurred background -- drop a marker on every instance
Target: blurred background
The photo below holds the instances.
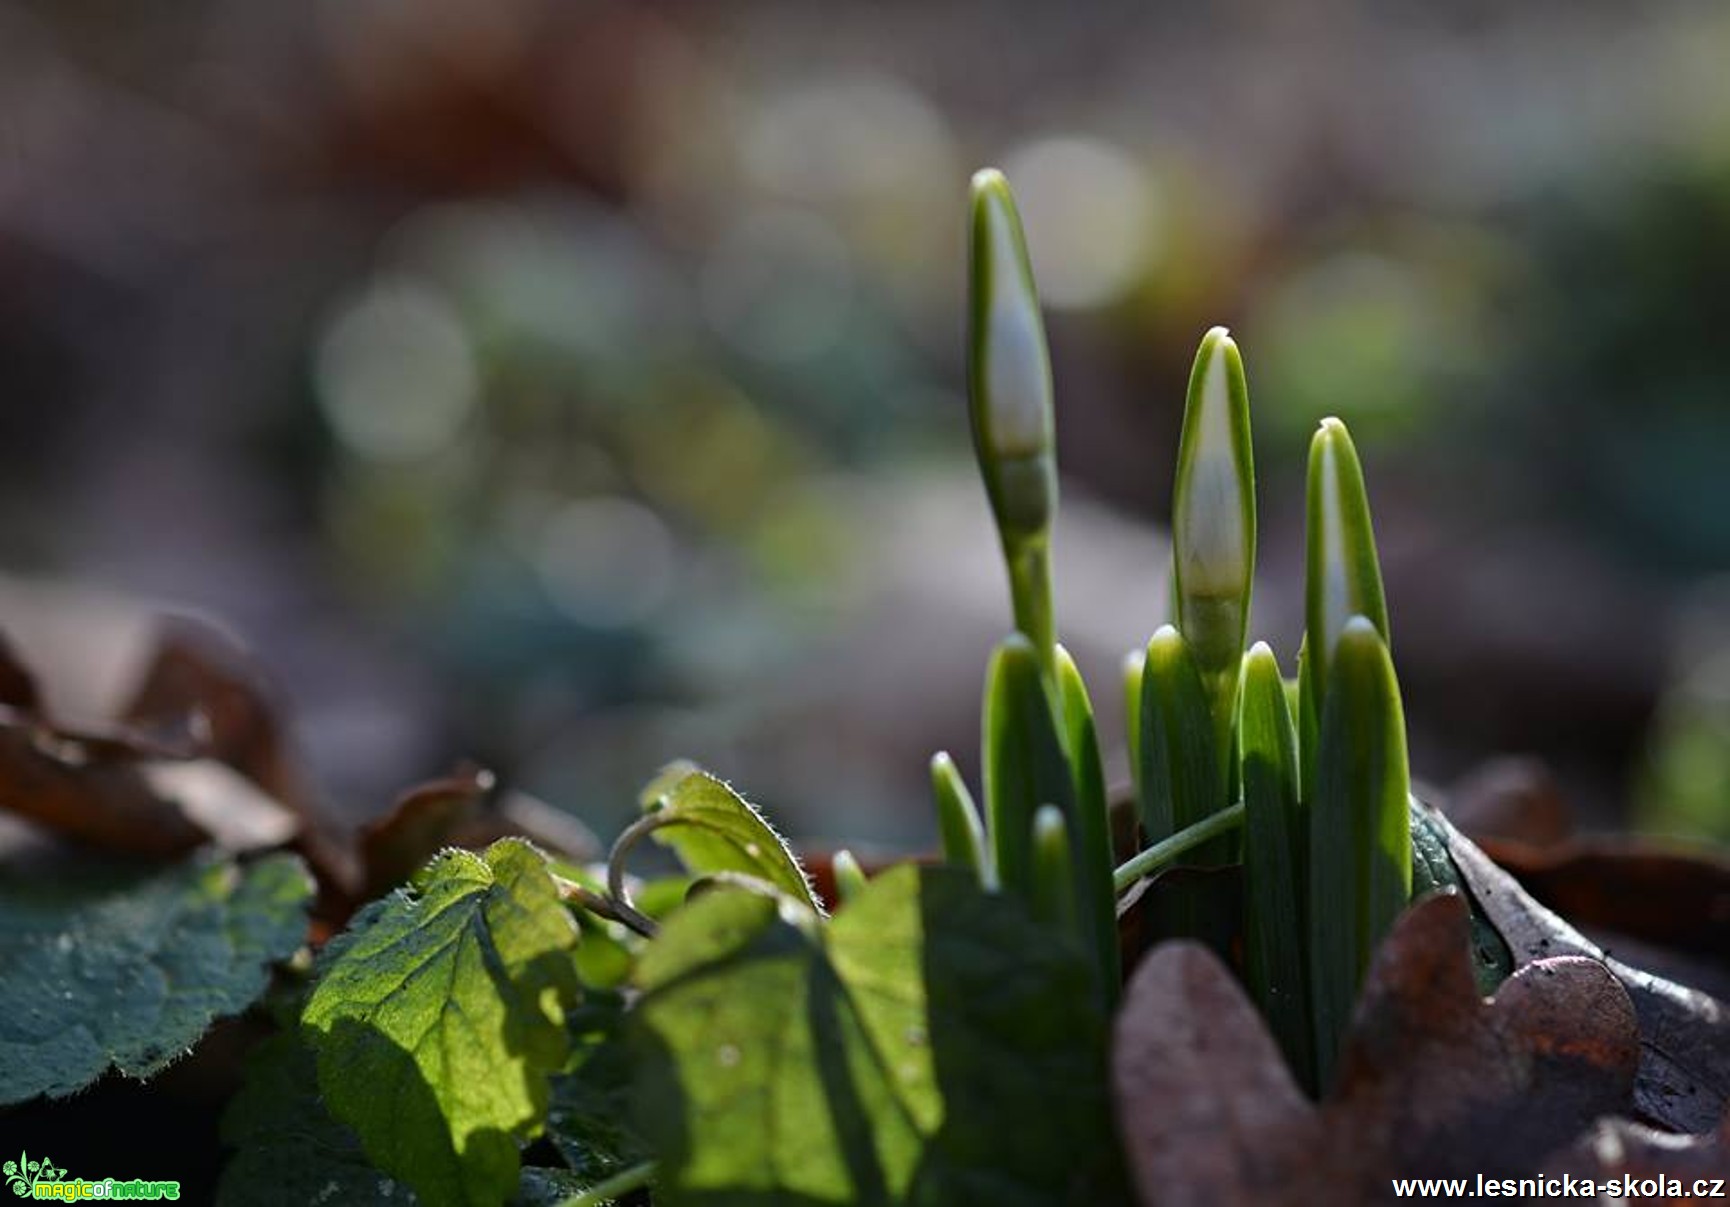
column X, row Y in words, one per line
column 577, row 384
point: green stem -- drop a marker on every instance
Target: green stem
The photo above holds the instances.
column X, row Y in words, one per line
column 634, row 1178
column 1030, row 595
column 1166, row 850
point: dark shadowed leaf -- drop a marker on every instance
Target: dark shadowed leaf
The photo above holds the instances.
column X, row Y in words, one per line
column 117, row 965
column 290, row 1152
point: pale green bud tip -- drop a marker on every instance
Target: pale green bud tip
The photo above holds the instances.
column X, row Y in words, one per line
column 1049, row 826
column 1358, row 633
column 849, row 876
column 1212, row 522
column 1261, row 655
column 1165, row 644
column 1011, row 368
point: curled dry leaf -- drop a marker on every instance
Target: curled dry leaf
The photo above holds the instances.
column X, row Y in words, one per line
column 1668, row 895
column 463, row 809
column 101, row 801
column 198, row 676
column 18, row 688
column 196, row 756
column 1684, row 1078
column 1511, row 799
column 420, row 823
column 1434, row 1079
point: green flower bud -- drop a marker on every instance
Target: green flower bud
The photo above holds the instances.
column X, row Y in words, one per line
column 1010, row 402
column 1213, row 520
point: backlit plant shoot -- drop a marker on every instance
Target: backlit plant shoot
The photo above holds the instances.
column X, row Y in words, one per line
column 1262, row 971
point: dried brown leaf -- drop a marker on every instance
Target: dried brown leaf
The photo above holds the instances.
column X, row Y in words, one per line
column 1618, row 1149
column 1684, row 1078
column 200, row 679
column 101, row 801
column 1208, row 1111
column 183, row 766
column 18, row 688
column 1674, row 896
column 1434, row 1080
column 423, row 820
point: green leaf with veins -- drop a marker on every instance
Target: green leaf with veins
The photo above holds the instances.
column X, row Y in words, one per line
column 439, row 1017
column 711, row 828
column 931, row 1045
column 109, row 964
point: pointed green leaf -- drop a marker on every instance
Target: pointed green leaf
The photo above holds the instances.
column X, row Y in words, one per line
column 1360, row 864
column 1181, row 777
column 1024, row 761
column 931, row 1044
column 1183, row 781
column 849, row 876
column 1276, row 850
column 1213, row 523
column 1133, row 664
column 958, row 823
column 110, row 964
column 1089, row 828
column 439, row 1016
column 1343, row 578
column 1053, row 875
column 711, row 829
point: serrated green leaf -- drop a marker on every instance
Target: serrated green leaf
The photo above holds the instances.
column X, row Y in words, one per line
column 439, row 1016
column 930, row 1045
column 1025, row 766
column 1360, row 863
column 110, row 964
column 1276, row 841
column 711, row 828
